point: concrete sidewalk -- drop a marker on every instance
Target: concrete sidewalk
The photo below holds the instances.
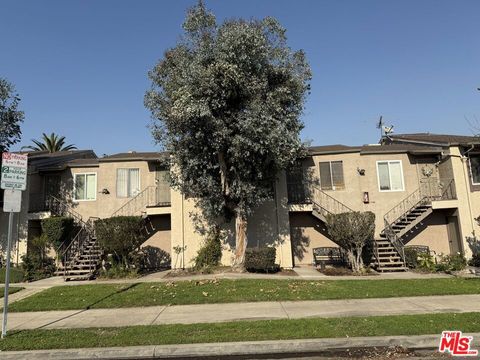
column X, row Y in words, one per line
column 248, row 349
column 210, row 313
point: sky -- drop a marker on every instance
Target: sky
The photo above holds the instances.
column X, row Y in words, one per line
column 80, row 66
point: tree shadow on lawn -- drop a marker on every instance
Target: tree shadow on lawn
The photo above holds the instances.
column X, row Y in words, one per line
column 88, row 307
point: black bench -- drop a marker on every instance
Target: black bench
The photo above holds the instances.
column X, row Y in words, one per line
column 328, row 256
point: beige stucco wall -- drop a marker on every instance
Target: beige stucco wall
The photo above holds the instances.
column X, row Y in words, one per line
column 355, row 184
column 267, row 226
column 307, row 233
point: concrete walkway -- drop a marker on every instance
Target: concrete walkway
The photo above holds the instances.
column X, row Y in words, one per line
column 298, row 349
column 209, row 313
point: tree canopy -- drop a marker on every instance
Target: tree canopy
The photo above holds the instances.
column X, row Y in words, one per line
column 51, row 143
column 226, row 102
column 10, row 116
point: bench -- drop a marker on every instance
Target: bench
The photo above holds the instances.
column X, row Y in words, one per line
column 328, row 256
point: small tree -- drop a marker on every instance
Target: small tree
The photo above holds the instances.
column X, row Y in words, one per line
column 352, row 232
column 10, row 116
column 120, row 235
column 227, row 102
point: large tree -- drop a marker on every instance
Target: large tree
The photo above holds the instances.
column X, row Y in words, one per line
column 10, row 116
column 226, row 102
column 51, row 143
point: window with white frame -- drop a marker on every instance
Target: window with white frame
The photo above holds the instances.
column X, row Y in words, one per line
column 475, row 168
column 331, row 175
column 128, row 182
column 390, row 175
column 85, row 187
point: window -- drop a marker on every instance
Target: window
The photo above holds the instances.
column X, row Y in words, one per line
column 128, row 182
column 390, row 175
column 331, row 175
column 475, row 168
column 85, row 187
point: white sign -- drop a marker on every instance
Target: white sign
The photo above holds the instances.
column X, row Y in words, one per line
column 14, row 171
column 12, row 200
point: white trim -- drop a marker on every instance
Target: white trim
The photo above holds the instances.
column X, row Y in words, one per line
column 75, row 186
column 389, row 178
column 470, row 170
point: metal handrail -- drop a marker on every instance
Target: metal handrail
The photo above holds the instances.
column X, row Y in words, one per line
column 328, row 203
column 131, row 208
column 424, row 195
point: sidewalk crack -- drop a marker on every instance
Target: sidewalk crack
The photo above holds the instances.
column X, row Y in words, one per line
column 160, row 313
column 285, row 311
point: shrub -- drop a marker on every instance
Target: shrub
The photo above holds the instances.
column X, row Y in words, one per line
column 210, row 253
column 36, row 267
column 475, row 260
column 455, row 262
column 411, row 257
column 352, row 231
column 119, row 236
column 150, row 258
column 426, row 262
column 261, row 259
column 58, row 230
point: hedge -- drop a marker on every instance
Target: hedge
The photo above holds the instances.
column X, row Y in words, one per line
column 58, row 229
column 261, row 259
column 119, row 236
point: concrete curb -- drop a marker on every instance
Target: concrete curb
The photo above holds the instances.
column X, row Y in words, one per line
column 305, row 346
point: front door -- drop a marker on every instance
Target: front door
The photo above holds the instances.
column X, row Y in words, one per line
column 52, row 188
column 454, row 238
column 163, row 186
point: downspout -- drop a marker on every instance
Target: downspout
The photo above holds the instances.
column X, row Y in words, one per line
column 276, row 220
column 183, row 235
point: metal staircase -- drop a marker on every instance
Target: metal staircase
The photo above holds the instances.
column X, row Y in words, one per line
column 324, row 204
column 404, row 219
column 80, row 256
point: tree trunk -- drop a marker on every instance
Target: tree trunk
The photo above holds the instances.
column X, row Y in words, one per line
column 240, row 243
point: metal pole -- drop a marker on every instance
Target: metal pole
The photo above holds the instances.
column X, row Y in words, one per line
column 7, row 275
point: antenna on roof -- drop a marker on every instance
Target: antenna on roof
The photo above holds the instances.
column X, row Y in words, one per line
column 384, row 130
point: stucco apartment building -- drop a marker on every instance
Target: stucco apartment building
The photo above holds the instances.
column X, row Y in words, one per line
column 423, row 188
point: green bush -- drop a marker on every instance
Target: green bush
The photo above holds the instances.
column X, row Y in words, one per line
column 455, row 262
column 150, row 258
column 411, row 257
column 353, row 232
column 261, row 259
column 475, row 260
column 426, row 262
column 16, row 275
column 58, row 229
column 210, row 253
column 120, row 236
column 36, row 267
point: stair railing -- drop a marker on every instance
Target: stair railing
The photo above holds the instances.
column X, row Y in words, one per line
column 429, row 190
column 74, row 249
column 327, row 204
column 137, row 204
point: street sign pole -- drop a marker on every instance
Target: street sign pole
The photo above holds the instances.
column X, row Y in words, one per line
column 7, row 275
column 13, row 181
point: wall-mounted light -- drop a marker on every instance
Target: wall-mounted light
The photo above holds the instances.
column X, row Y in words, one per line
column 361, row 171
column 105, row 191
column 366, row 197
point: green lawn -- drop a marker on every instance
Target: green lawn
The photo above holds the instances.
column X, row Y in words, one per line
column 241, row 331
column 223, row 291
column 16, row 275
column 11, row 290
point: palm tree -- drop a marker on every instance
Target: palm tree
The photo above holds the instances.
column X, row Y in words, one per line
column 52, row 143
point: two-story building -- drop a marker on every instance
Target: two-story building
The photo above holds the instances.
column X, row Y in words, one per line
column 423, row 189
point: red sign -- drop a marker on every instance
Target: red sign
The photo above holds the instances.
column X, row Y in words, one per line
column 454, row 343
